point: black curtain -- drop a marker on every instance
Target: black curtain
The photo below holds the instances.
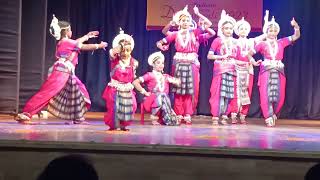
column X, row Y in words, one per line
column 301, row 59
column 10, row 34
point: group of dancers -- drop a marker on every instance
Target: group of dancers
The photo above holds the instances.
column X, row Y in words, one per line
column 66, row 97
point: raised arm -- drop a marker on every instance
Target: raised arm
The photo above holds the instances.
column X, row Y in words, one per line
column 91, row 34
column 167, row 27
column 115, row 51
column 296, row 27
column 206, row 21
column 91, row 47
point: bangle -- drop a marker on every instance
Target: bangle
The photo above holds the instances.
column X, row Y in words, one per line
column 143, row 91
column 97, row 46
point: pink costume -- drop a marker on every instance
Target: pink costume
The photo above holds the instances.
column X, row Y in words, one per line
column 119, row 95
column 159, row 102
column 186, row 67
column 244, row 82
column 63, row 93
column 272, row 80
column 224, row 78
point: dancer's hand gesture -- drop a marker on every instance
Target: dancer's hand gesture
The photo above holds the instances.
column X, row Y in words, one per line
column 93, row 34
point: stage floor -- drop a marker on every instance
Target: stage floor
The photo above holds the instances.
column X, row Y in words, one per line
column 288, row 135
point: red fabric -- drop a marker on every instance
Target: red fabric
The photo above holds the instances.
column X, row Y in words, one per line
column 183, row 104
column 264, row 97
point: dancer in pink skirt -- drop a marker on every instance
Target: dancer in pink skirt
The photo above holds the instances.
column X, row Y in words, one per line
column 63, row 93
column 272, row 80
column 244, row 70
column 157, row 100
column 185, row 62
column 119, row 95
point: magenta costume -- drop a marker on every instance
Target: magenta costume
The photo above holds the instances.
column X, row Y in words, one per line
column 158, row 103
column 244, row 71
column 186, row 68
column 272, row 80
column 63, row 93
column 223, row 86
column 119, row 95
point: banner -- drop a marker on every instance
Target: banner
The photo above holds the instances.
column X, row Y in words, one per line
column 160, row 12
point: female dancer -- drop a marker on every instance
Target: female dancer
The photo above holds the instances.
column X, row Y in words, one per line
column 244, row 70
column 272, row 80
column 63, row 93
column 224, row 52
column 157, row 100
column 186, row 64
column 119, row 95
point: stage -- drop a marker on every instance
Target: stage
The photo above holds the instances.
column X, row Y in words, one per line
column 234, row 149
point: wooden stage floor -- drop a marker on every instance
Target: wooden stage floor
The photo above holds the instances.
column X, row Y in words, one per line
column 288, row 136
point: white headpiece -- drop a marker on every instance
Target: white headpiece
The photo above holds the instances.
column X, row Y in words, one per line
column 224, row 18
column 154, row 57
column 178, row 15
column 55, row 28
column 244, row 23
column 122, row 36
column 268, row 23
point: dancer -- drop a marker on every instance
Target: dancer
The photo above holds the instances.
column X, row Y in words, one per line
column 224, row 52
column 272, row 80
column 244, row 70
column 63, row 93
column 186, row 64
column 157, row 100
column 119, row 95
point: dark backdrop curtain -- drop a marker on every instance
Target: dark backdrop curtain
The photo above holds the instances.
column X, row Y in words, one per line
column 10, row 34
column 301, row 59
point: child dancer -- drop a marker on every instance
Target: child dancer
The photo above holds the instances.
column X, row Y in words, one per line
column 244, row 70
column 186, row 64
column 62, row 92
column 224, row 52
column 272, row 80
column 157, row 100
column 119, row 95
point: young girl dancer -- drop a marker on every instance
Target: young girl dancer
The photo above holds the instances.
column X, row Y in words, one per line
column 119, row 95
column 157, row 100
column 186, row 64
column 224, row 52
column 63, row 93
column 244, row 70
column 272, row 80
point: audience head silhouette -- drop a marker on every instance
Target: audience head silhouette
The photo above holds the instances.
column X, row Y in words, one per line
column 68, row 168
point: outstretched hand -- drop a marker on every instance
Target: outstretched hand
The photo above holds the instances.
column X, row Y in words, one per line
column 103, row 45
column 93, row 34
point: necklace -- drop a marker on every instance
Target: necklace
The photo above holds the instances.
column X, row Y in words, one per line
column 273, row 50
column 183, row 37
column 160, row 80
column 227, row 44
column 244, row 46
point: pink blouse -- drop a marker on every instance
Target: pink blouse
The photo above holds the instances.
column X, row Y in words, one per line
column 66, row 47
column 266, row 50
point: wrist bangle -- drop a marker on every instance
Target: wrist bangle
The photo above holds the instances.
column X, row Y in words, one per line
column 97, row 46
column 143, row 91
